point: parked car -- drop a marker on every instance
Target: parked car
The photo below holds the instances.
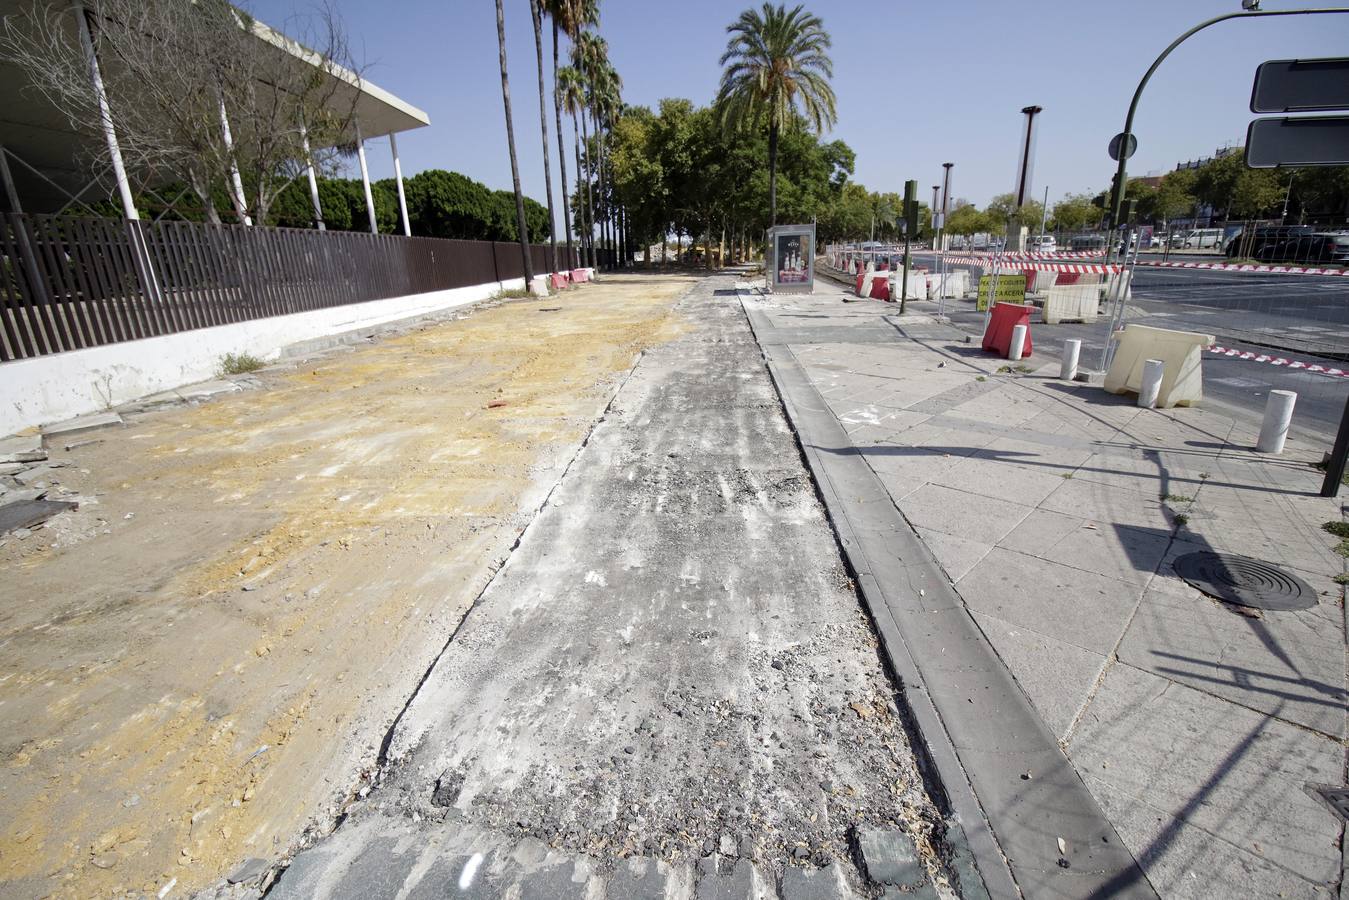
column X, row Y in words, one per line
column 1044, row 243
column 1322, row 247
column 1262, row 240
column 1087, row 243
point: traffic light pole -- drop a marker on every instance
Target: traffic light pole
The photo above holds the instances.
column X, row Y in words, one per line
column 1118, row 199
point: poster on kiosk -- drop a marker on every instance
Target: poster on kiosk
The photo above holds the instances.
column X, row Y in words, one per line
column 792, row 263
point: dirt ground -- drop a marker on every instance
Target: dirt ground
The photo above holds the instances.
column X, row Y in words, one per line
column 205, row 657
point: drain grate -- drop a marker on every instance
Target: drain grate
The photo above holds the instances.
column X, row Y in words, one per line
column 1244, row 581
column 1338, row 798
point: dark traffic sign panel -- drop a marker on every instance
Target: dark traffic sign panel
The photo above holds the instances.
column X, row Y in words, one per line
column 1301, row 85
column 1307, row 141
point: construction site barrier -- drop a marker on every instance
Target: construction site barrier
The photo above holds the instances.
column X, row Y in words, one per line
column 1182, row 363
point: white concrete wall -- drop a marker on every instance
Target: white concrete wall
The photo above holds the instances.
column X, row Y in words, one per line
column 64, row 385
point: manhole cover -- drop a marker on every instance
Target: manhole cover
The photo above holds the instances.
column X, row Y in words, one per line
column 1244, row 581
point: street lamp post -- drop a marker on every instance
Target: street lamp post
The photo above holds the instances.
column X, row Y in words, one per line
column 1117, row 201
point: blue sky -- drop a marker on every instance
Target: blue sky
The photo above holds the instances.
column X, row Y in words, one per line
column 968, row 67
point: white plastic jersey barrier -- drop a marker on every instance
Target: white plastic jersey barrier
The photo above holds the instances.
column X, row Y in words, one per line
column 1182, row 363
column 1071, row 303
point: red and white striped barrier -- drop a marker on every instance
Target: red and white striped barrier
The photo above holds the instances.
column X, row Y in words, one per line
column 1230, row 267
column 1043, row 256
column 1017, row 265
column 1277, row 361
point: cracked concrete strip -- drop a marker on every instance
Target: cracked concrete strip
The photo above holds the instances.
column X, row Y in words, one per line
column 688, row 674
column 980, row 730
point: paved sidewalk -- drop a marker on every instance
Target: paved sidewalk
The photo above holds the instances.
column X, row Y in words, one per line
column 1057, row 510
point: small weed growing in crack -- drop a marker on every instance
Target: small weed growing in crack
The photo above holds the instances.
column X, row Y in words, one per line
column 1003, row 370
column 239, row 364
column 1342, row 579
column 1203, row 476
column 981, row 378
column 1339, row 529
column 1177, row 498
column 1066, row 476
column 1182, row 520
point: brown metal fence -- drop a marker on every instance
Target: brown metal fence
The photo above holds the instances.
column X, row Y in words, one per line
column 68, row 283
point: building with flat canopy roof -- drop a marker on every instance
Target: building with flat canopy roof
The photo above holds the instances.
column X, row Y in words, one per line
column 44, row 158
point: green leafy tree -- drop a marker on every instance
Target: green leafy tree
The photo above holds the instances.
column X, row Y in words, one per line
column 1226, row 184
column 1175, row 195
column 775, row 60
column 967, row 220
column 1075, row 212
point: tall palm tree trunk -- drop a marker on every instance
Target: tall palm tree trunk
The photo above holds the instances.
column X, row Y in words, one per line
column 606, row 235
column 590, row 199
column 510, row 140
column 562, row 155
column 537, row 15
column 580, row 213
column 773, row 171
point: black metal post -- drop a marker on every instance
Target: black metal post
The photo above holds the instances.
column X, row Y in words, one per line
column 904, row 283
column 1335, row 465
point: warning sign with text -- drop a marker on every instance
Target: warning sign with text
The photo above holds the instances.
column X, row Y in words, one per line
column 1010, row 288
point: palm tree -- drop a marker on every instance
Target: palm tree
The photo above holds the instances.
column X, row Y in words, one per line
column 571, row 86
column 536, row 14
column 569, row 17
column 510, row 140
column 776, row 58
column 604, row 101
column 591, row 56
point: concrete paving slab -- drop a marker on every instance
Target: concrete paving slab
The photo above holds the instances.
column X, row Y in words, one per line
column 956, row 555
column 1040, row 531
column 51, row 433
column 1237, row 774
column 1186, row 862
column 1277, row 539
column 963, row 513
column 22, row 448
column 1081, row 608
column 1058, row 677
column 1283, row 665
column 989, row 477
column 1103, row 504
column 1127, row 554
column 205, row 389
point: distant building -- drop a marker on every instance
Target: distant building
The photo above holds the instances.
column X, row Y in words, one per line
column 1220, row 153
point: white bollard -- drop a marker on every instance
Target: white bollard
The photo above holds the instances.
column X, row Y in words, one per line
column 1151, row 383
column 1278, row 413
column 1072, row 349
column 1018, row 346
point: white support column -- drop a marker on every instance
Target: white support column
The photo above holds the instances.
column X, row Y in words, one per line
column 313, row 179
column 365, row 180
column 398, row 176
column 236, row 182
column 105, row 114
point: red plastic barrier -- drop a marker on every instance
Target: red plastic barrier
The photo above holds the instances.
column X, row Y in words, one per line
column 559, row 280
column 998, row 337
column 578, row 275
column 880, row 289
column 858, row 290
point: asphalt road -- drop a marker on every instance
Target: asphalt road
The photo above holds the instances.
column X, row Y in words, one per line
column 1297, row 317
